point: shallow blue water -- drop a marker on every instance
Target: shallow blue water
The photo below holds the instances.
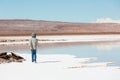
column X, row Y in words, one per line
column 86, row 51
column 103, row 55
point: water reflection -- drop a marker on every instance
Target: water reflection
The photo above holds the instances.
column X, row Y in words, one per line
column 107, row 45
column 105, row 51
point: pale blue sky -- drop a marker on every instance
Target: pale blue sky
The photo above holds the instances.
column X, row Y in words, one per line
column 60, row 10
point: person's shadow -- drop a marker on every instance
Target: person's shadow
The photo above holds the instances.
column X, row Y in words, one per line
column 49, row 62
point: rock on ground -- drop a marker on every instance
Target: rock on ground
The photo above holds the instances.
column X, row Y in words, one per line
column 7, row 58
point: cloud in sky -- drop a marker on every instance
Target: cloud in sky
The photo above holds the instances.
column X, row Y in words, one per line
column 107, row 20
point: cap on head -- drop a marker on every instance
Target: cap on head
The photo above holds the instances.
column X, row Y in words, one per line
column 33, row 35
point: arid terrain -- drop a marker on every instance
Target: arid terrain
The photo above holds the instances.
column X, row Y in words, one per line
column 21, row 27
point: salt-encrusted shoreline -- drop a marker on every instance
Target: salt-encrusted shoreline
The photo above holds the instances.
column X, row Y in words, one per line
column 59, row 39
column 59, row 67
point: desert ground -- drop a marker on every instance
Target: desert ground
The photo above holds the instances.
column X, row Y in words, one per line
column 20, row 27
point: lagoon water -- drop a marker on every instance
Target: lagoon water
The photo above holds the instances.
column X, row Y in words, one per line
column 104, row 51
column 111, row 54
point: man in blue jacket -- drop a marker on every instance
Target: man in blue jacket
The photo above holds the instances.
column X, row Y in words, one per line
column 33, row 46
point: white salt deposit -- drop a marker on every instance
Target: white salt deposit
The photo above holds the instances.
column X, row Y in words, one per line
column 60, row 39
column 58, row 67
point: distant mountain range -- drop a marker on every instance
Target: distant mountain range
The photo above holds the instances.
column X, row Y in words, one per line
column 41, row 27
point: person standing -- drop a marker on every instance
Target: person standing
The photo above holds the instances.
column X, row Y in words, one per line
column 33, row 46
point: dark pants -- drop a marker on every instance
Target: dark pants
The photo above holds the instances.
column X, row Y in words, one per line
column 33, row 55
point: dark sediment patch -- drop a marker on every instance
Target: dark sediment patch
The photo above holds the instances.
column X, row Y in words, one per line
column 8, row 58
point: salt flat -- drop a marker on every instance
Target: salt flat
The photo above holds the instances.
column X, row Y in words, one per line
column 58, row 67
column 60, row 39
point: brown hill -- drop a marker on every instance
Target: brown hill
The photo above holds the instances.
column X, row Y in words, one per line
column 26, row 27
